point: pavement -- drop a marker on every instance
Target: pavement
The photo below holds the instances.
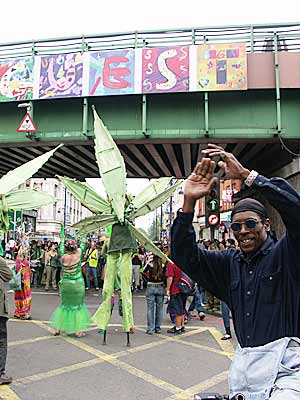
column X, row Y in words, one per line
column 154, row 367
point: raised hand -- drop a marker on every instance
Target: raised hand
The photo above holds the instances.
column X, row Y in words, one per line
column 232, row 168
column 199, row 183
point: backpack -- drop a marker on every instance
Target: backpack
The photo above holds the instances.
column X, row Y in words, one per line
column 16, row 281
column 186, row 285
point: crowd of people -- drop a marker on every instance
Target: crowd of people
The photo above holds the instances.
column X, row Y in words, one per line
column 258, row 281
column 41, row 265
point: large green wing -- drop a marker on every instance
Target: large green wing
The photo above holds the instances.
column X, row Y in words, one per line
column 154, row 196
column 19, row 175
column 111, row 167
column 152, row 190
column 21, row 200
column 86, row 195
column 144, row 239
column 95, row 222
column 27, row 199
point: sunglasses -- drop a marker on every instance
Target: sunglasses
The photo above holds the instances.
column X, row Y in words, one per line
column 250, row 224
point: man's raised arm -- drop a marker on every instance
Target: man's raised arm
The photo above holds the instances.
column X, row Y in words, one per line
column 209, row 268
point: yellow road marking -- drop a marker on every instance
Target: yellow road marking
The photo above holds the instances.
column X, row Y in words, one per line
column 101, row 357
column 27, row 321
column 164, row 339
column 180, row 338
column 147, row 377
column 201, row 347
column 177, row 393
column 111, row 358
column 94, row 326
column 6, row 393
column 25, row 341
column 200, row 387
column 57, row 371
column 226, row 345
column 89, row 349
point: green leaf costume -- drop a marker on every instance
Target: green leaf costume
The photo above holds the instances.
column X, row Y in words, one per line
column 26, row 199
column 119, row 210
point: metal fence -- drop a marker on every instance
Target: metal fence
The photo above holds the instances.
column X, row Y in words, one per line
column 259, row 38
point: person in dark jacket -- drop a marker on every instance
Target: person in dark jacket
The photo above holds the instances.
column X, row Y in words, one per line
column 259, row 281
column 5, row 276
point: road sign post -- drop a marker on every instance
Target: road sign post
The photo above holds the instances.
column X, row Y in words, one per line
column 212, row 209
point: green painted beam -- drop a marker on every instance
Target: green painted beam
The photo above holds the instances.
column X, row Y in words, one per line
column 235, row 115
column 153, row 134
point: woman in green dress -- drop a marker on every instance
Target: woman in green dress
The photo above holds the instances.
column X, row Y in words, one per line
column 72, row 316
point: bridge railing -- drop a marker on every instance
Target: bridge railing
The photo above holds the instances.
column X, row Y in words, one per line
column 259, row 38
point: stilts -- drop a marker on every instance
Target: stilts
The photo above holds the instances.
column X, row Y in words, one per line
column 104, row 338
column 128, row 339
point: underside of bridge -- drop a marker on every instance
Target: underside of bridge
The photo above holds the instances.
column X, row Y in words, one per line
column 170, row 140
column 146, row 159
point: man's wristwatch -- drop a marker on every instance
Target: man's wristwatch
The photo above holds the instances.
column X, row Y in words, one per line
column 251, row 178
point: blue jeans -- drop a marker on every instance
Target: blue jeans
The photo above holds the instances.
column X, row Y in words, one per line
column 226, row 317
column 155, row 301
column 258, row 371
column 197, row 301
column 90, row 270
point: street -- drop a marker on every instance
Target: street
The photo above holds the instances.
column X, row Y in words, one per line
column 154, row 367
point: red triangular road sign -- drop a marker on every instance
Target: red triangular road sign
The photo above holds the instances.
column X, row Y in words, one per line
column 27, row 125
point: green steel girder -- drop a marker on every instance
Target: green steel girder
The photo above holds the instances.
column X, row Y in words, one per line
column 251, row 114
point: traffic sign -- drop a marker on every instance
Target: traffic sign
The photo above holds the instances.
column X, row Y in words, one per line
column 213, row 204
column 27, row 125
column 213, row 219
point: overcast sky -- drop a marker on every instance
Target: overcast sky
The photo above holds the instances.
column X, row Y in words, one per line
column 34, row 19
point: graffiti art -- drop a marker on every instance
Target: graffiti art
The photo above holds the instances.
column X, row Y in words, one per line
column 111, row 72
column 165, row 69
column 61, row 76
column 16, row 79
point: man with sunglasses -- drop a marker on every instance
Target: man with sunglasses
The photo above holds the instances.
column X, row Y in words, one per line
column 259, row 281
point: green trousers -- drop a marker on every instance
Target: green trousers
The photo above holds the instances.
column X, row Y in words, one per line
column 102, row 315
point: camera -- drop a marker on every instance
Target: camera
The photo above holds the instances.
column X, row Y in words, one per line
column 210, row 396
column 217, row 396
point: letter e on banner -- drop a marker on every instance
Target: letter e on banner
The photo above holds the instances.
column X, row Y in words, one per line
column 116, row 73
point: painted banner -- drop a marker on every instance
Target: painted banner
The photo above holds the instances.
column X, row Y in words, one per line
column 60, row 76
column 16, row 79
column 111, row 72
column 165, row 69
column 221, row 67
column 208, row 67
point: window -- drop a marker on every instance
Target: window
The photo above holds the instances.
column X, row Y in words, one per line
column 54, row 210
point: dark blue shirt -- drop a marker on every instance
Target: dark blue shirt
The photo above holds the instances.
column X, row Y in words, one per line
column 263, row 292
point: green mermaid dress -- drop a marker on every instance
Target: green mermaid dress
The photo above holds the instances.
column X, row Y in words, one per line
column 72, row 315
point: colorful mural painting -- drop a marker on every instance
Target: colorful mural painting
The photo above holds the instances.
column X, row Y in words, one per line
column 61, row 76
column 111, row 72
column 16, row 79
column 165, row 69
column 125, row 71
column 221, row 67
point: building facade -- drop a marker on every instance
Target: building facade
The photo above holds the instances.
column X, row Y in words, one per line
column 171, row 206
column 66, row 210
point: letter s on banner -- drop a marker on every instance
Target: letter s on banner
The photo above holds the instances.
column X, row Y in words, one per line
column 164, row 70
